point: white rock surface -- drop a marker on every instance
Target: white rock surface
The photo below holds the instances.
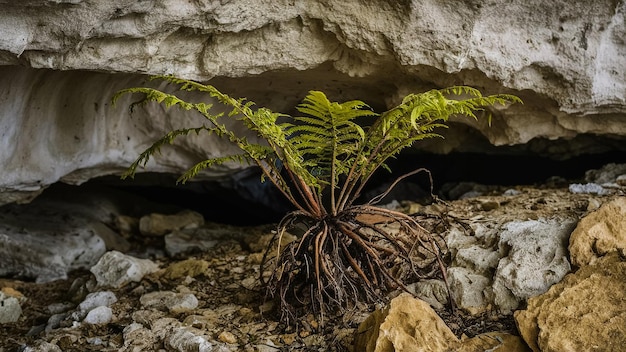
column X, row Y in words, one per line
column 502, row 264
column 46, row 244
column 99, row 315
column 61, row 61
column 171, row 301
column 115, row 269
column 97, row 299
column 10, row 309
column 536, row 258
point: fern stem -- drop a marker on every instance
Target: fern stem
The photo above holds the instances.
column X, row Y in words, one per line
column 306, row 194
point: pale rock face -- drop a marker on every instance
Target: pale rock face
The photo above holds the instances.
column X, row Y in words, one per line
column 599, row 233
column 584, row 312
column 536, row 259
column 61, row 61
column 503, row 264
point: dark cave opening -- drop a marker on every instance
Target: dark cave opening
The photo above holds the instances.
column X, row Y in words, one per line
column 244, row 200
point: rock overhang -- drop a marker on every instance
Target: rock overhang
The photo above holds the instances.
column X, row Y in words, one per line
column 63, row 60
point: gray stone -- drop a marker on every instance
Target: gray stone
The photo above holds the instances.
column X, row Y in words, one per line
column 181, row 338
column 99, row 315
column 431, row 291
column 47, row 249
column 534, row 258
column 608, row 173
column 171, row 301
column 97, row 299
column 10, row 309
column 470, row 291
column 479, row 259
column 55, row 321
column 116, row 269
column 60, row 231
column 161, row 224
column 591, row 188
column 179, row 242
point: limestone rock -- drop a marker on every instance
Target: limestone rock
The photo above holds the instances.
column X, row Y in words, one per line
column 171, row 301
column 407, row 324
column 46, row 247
column 63, row 60
column 431, row 291
column 536, row 258
column 470, row 290
column 96, row 299
column 599, row 233
column 99, row 315
column 116, row 269
column 10, row 308
column 160, row 224
column 189, row 267
column 179, row 242
column 506, row 262
column 584, row 312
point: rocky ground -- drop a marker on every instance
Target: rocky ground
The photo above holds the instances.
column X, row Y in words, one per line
column 196, row 286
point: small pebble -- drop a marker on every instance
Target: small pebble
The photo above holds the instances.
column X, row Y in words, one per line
column 227, row 337
column 99, row 315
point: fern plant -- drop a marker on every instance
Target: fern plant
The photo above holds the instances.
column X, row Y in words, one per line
column 321, row 161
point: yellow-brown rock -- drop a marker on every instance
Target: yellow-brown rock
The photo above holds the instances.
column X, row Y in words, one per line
column 406, row 324
column 190, row 267
column 584, row 312
column 599, row 233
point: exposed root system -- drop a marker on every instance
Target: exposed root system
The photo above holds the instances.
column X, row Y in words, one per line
column 356, row 256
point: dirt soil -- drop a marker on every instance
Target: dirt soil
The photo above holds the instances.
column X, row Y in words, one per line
column 232, row 308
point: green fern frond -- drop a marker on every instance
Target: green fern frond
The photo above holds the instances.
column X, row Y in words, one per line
column 197, row 168
column 325, row 146
column 327, row 136
column 169, row 138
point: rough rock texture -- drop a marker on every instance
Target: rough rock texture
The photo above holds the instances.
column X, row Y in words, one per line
column 10, row 309
column 408, row 325
column 599, row 233
column 115, row 269
column 502, row 263
column 62, row 61
column 536, row 259
column 584, row 312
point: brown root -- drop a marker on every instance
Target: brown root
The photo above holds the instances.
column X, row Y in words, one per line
column 357, row 256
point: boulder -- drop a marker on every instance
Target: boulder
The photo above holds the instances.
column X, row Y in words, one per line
column 115, row 269
column 505, row 262
column 408, row 324
column 599, row 233
column 535, row 259
column 584, row 312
